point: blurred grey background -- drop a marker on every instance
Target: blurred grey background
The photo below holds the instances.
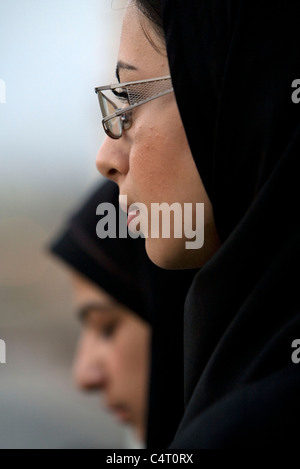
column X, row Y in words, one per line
column 52, row 54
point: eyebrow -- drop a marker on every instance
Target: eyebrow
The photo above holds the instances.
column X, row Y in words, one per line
column 123, row 66
column 84, row 310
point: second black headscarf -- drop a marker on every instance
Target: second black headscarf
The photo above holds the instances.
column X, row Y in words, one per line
column 122, row 268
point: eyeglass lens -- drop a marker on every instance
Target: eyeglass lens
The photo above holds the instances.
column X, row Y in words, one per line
column 114, row 125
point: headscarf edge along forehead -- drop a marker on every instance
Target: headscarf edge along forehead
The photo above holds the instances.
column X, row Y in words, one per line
column 197, row 66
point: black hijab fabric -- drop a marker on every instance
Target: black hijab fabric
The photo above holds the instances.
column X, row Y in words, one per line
column 122, row 268
column 232, row 64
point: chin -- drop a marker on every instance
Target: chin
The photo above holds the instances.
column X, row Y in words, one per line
column 171, row 254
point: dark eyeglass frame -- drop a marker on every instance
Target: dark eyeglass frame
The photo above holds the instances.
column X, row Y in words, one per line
column 124, row 114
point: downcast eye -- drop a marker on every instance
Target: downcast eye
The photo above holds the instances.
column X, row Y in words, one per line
column 121, row 95
column 108, row 330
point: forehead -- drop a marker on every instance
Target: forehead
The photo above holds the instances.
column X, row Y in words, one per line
column 136, row 49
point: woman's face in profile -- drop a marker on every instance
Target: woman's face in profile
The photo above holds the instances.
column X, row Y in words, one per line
column 152, row 161
column 113, row 354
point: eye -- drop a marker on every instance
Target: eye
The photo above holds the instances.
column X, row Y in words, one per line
column 121, row 94
column 108, row 330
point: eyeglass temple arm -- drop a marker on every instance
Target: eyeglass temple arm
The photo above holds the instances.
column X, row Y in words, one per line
column 123, row 85
column 120, row 112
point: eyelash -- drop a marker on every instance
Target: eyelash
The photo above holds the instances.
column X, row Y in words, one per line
column 108, row 330
column 123, row 96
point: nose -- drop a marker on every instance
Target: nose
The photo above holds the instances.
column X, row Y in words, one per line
column 89, row 369
column 113, row 158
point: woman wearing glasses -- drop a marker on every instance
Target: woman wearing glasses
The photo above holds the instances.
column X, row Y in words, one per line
column 228, row 136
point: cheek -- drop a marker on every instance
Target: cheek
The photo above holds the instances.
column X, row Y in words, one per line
column 146, row 167
column 118, row 364
column 122, row 358
column 160, row 159
column 129, row 358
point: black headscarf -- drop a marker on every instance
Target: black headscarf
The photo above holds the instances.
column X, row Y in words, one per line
column 122, row 268
column 232, row 64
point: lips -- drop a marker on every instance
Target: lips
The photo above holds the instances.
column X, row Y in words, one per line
column 131, row 209
column 132, row 214
column 121, row 413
